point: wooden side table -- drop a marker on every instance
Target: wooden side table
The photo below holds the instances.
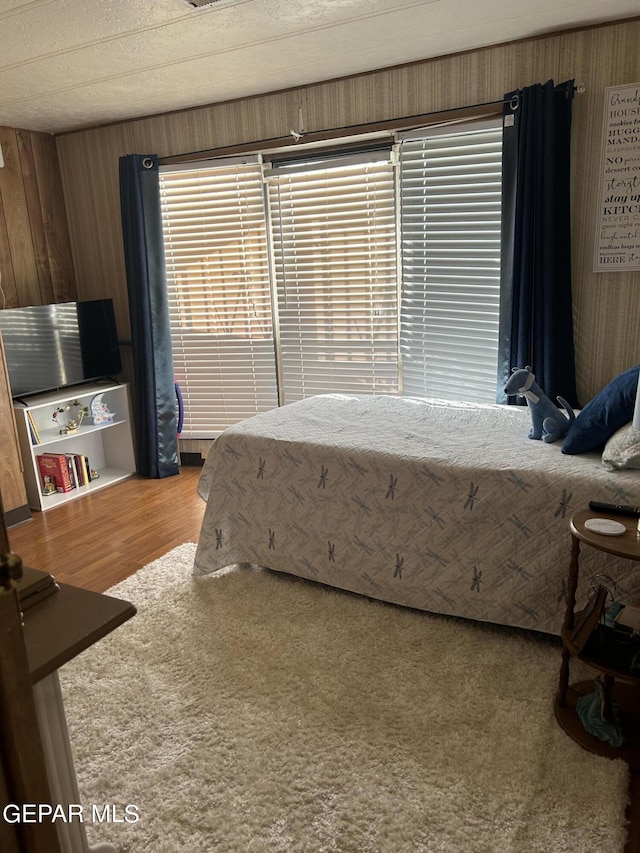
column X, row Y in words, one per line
column 626, row 686
column 55, row 631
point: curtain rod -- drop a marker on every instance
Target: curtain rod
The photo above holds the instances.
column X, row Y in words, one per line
column 302, row 137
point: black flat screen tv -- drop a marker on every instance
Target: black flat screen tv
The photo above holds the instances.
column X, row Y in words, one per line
column 49, row 347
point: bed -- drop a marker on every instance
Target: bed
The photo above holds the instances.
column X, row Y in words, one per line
column 446, row 507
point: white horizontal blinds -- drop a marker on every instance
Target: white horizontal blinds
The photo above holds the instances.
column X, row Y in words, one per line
column 450, row 226
column 219, row 297
column 335, row 266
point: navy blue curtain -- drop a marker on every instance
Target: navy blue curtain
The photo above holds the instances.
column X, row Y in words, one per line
column 154, row 400
column 536, row 311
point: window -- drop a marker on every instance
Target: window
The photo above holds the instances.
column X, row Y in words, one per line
column 335, row 275
column 451, row 184
column 368, row 272
column 217, row 266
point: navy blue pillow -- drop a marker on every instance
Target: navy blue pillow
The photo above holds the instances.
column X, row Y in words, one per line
column 609, row 410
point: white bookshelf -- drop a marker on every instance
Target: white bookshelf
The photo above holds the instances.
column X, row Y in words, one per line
column 108, row 446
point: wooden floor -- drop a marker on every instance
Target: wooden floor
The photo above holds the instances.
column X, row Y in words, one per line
column 100, row 539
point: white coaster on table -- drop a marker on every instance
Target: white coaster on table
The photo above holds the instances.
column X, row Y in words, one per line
column 605, row 526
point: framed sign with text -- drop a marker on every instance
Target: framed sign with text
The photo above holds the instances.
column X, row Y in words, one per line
column 617, row 244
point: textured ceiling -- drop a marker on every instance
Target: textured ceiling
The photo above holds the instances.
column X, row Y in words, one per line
column 66, row 64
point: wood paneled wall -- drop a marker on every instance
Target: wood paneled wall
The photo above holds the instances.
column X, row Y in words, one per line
column 35, row 265
column 606, row 305
column 35, row 250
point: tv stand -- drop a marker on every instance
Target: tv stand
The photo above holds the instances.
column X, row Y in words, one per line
column 107, row 444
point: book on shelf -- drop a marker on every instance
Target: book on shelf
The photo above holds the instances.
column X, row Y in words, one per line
column 77, row 461
column 629, row 617
column 33, row 429
column 72, row 471
column 53, row 468
column 588, row 621
column 79, row 466
column 32, row 434
column 87, row 468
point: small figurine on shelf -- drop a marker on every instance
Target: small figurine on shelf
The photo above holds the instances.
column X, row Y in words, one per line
column 73, row 423
column 49, row 486
column 100, row 412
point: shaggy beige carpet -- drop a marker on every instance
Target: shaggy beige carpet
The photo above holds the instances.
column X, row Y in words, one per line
column 251, row 711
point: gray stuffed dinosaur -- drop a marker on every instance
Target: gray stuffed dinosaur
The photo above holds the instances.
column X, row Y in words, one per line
column 549, row 423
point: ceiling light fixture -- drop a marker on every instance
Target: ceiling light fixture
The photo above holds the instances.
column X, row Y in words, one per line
column 200, row 4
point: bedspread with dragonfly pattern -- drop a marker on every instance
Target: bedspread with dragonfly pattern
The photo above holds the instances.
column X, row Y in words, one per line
column 446, row 507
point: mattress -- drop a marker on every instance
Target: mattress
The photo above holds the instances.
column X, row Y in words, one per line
column 446, row 507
